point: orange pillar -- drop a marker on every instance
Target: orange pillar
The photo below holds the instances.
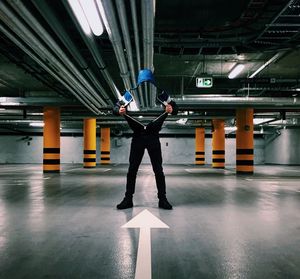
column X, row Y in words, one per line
column 105, row 146
column 218, row 144
column 51, row 139
column 244, row 141
column 200, row 146
column 89, row 134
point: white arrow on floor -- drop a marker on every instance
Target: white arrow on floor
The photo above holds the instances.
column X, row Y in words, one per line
column 145, row 221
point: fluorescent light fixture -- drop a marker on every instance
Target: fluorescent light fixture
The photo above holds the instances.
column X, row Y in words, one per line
column 236, row 70
column 261, row 130
column 230, row 129
column 103, row 16
column 36, row 113
column 78, row 12
column 257, row 121
column 10, row 104
column 36, row 124
column 274, row 58
column 133, row 106
column 4, row 101
column 182, row 121
column 91, row 13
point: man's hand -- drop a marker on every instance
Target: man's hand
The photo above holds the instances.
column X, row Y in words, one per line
column 169, row 109
column 122, row 110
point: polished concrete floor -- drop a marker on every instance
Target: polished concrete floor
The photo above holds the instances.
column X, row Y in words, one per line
column 222, row 226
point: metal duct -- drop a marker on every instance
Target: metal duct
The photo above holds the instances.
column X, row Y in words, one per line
column 107, row 12
column 124, row 27
column 82, row 98
column 137, row 43
column 233, row 102
column 136, row 33
column 27, row 36
column 148, row 13
column 44, row 35
column 36, row 101
column 92, row 46
column 55, row 24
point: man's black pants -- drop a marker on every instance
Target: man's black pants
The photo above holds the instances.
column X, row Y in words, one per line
column 138, row 145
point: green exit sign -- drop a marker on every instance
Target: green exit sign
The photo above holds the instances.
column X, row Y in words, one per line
column 204, row 82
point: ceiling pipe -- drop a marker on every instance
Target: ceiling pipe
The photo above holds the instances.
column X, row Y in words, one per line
column 137, row 45
column 145, row 54
column 44, row 35
column 136, row 33
column 268, row 88
column 109, row 19
column 148, row 14
column 72, row 88
column 27, row 36
column 92, row 46
column 126, row 37
column 233, row 102
column 17, row 114
column 124, row 27
column 56, row 25
column 37, row 101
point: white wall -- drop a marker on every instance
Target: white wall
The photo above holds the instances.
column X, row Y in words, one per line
column 283, row 148
column 15, row 149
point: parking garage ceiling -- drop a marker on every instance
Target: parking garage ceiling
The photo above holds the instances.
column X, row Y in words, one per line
column 46, row 59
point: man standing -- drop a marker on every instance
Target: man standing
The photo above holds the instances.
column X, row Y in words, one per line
column 146, row 137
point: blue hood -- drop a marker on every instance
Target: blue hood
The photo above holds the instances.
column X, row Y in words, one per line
column 145, row 75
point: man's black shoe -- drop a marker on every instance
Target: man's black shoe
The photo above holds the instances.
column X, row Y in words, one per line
column 163, row 203
column 125, row 203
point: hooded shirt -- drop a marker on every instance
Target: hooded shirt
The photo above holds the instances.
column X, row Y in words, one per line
column 152, row 128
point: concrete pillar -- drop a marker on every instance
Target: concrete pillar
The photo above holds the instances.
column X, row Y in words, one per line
column 51, row 140
column 244, row 141
column 89, row 138
column 200, row 146
column 218, row 144
column 105, row 146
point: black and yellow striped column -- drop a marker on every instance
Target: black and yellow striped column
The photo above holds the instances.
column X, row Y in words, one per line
column 244, row 141
column 105, row 146
column 200, row 146
column 51, row 139
column 218, row 144
column 89, row 134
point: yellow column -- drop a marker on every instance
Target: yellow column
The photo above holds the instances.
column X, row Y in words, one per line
column 51, row 139
column 105, row 146
column 200, row 146
column 89, row 134
column 218, row 144
column 244, row 141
